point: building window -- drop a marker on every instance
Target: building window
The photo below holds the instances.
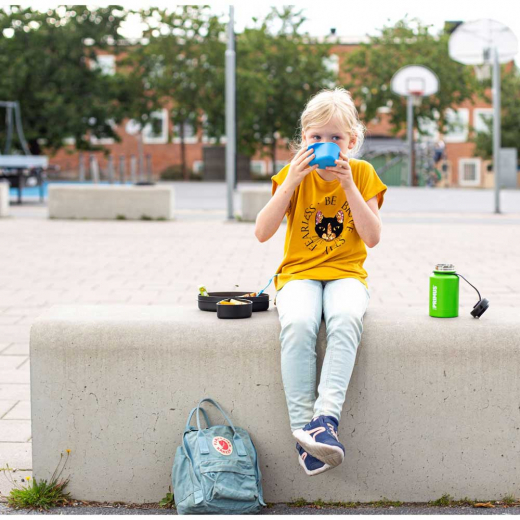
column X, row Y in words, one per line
column 259, row 167
column 332, row 64
column 457, row 124
column 480, row 116
column 156, row 131
column 278, row 165
column 190, row 137
column 429, row 127
column 198, row 167
column 469, row 172
column 106, row 63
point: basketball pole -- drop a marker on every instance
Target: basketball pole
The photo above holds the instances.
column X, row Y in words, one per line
column 409, row 117
column 496, row 127
column 230, row 114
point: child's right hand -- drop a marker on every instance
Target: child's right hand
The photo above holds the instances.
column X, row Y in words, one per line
column 300, row 168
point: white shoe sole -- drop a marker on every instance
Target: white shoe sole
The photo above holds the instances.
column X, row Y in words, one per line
column 331, row 455
column 313, row 472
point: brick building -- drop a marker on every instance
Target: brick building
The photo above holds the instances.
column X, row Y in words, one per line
column 161, row 142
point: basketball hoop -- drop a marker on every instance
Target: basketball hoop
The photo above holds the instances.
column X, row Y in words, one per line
column 416, row 96
column 482, row 72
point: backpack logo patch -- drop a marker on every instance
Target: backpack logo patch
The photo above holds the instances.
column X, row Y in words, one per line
column 222, row 445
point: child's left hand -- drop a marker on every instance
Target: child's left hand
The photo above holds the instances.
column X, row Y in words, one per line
column 342, row 171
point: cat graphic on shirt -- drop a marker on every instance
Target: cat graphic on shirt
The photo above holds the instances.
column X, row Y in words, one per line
column 329, row 228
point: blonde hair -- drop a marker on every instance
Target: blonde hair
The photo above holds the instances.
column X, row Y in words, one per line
column 322, row 107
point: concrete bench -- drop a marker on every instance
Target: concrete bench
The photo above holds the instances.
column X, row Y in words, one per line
column 99, row 201
column 432, row 407
column 4, row 199
column 253, row 199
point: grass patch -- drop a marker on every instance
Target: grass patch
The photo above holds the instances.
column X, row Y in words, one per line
column 168, row 502
column 42, row 494
column 120, row 217
column 146, row 217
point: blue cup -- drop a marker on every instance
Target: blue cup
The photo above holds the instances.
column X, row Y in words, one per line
column 326, row 154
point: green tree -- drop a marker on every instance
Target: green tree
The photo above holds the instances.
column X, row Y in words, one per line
column 510, row 116
column 46, row 62
column 370, row 68
column 278, row 69
column 186, row 50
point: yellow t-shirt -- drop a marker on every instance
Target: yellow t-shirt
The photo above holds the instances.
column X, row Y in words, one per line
column 321, row 242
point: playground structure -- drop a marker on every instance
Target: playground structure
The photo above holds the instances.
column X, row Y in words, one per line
column 17, row 168
column 390, row 157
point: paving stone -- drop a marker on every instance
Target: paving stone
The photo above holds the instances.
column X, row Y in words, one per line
column 6, row 405
column 17, row 476
column 11, row 362
column 15, row 430
column 14, row 376
column 18, row 455
column 16, row 349
column 15, row 391
column 21, row 411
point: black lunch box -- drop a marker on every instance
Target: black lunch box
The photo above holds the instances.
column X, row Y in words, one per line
column 209, row 303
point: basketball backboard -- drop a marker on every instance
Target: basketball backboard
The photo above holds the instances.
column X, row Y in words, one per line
column 414, row 80
column 471, row 42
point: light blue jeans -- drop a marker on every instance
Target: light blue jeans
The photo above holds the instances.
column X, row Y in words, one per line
column 300, row 305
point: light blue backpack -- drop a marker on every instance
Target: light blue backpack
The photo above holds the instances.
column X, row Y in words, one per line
column 215, row 470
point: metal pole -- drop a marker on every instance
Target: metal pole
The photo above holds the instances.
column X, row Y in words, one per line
column 133, row 168
column 141, row 156
column 148, row 167
column 122, row 169
column 230, row 114
column 409, row 121
column 110, row 168
column 81, row 167
column 496, row 127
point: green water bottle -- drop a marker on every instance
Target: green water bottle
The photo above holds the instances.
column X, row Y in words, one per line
column 444, row 292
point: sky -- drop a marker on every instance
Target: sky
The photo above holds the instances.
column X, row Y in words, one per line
column 355, row 18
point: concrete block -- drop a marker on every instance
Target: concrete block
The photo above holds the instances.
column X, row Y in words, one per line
column 432, row 406
column 4, row 199
column 98, row 201
column 253, row 199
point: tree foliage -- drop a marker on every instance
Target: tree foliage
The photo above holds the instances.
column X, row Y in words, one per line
column 184, row 62
column 510, row 116
column 409, row 42
column 278, row 69
column 46, row 62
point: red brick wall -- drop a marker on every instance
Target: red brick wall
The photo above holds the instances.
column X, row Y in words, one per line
column 164, row 155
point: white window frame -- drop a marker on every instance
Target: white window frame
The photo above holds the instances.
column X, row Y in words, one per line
column 478, row 123
column 279, row 165
column 262, row 165
column 431, row 126
column 187, row 140
column 461, row 136
column 331, row 63
column 197, row 167
column 478, row 169
column 106, row 63
column 163, row 138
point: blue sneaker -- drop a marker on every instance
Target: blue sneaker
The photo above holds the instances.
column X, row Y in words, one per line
column 311, row 465
column 319, row 438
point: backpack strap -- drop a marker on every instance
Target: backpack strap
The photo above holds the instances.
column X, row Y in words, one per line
column 206, row 418
column 198, row 496
column 203, row 444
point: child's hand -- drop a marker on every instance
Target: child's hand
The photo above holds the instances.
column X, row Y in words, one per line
column 342, row 171
column 300, row 166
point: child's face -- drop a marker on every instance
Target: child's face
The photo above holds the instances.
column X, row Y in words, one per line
column 332, row 132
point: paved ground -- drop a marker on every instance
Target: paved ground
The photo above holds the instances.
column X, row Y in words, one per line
column 45, row 262
column 283, row 509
